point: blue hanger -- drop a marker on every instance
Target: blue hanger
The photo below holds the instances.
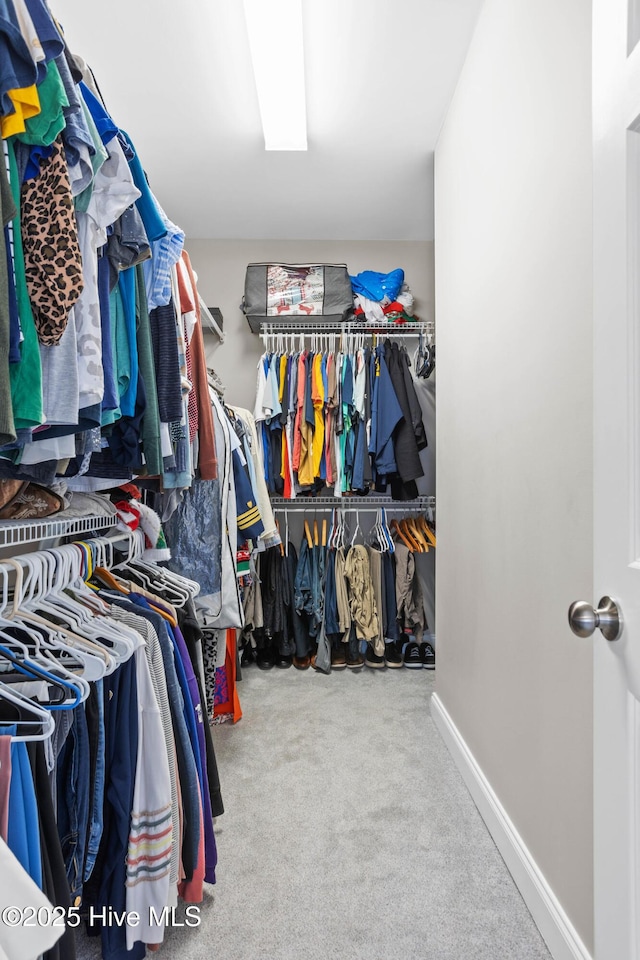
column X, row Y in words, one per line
column 31, row 669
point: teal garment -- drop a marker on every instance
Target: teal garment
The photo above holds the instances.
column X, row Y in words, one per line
column 127, row 288
column 7, row 213
column 151, row 442
column 152, row 218
column 110, row 416
column 26, row 376
column 121, row 356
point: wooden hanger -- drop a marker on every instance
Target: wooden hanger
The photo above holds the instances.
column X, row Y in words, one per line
column 415, row 546
column 417, row 535
column 399, row 531
column 107, row 578
column 426, row 529
column 324, row 533
column 316, row 538
column 307, row 533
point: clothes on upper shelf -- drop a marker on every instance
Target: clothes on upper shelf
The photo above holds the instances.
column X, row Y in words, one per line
column 347, row 420
column 114, row 811
column 102, row 363
column 329, row 606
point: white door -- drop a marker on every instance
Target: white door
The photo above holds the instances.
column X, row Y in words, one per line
column 616, row 104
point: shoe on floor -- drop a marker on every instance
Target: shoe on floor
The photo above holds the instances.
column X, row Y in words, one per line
column 372, row 659
column 302, row 663
column 428, row 655
column 284, row 661
column 247, row 656
column 338, row 658
column 265, row 658
column 392, row 656
column 354, row 660
column 412, row 657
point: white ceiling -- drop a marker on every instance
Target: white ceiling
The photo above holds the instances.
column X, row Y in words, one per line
column 379, row 73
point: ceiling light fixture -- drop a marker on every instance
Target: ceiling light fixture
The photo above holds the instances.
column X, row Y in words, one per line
column 275, row 42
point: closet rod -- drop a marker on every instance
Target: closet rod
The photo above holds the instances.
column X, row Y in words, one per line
column 211, row 321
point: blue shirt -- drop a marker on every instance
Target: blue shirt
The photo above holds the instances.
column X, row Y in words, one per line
column 147, row 205
column 389, row 415
column 17, row 68
column 48, row 34
column 104, row 124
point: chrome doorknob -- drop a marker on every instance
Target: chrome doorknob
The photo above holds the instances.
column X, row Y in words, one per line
column 584, row 620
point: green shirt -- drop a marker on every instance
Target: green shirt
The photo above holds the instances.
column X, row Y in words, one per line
column 26, row 376
column 7, row 213
column 46, row 125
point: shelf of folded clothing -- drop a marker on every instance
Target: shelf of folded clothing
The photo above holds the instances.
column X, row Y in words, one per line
column 312, row 326
column 353, row 503
column 14, row 533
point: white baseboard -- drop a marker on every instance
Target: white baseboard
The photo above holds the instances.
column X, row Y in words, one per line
column 559, row 933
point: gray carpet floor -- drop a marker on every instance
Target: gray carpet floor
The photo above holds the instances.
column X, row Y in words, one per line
column 349, row 833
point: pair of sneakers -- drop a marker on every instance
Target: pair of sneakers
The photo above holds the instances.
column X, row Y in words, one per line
column 391, row 658
column 417, row 656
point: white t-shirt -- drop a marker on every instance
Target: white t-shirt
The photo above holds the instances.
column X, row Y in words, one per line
column 113, row 191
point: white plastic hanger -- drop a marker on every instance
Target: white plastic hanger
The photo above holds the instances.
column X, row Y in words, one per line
column 42, row 724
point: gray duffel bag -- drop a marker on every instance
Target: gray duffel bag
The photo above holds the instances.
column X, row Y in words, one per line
column 300, row 292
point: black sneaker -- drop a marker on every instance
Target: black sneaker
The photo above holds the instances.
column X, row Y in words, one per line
column 411, row 656
column 247, row 656
column 266, row 658
column 392, row 656
column 371, row 659
column 428, row 655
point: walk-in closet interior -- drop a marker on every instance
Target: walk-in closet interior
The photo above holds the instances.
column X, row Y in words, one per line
column 220, row 645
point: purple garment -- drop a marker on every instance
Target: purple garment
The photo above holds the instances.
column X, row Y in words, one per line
column 5, row 784
column 210, row 851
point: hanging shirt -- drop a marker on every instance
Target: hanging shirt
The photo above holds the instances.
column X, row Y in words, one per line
column 300, row 395
column 388, row 414
column 146, row 203
column 250, row 525
column 49, row 121
column 30, row 34
column 318, row 395
column 48, row 33
column 78, row 141
column 26, row 376
column 113, row 191
column 17, row 68
column 53, row 265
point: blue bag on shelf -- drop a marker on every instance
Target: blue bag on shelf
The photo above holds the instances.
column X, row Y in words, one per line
column 377, row 286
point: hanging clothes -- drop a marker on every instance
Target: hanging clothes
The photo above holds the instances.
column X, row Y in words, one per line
column 348, row 420
column 136, row 783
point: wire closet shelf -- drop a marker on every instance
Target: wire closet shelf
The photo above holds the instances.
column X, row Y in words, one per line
column 411, row 328
column 15, row 533
column 353, row 504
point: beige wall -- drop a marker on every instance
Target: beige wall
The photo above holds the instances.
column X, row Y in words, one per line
column 221, row 266
column 514, row 317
